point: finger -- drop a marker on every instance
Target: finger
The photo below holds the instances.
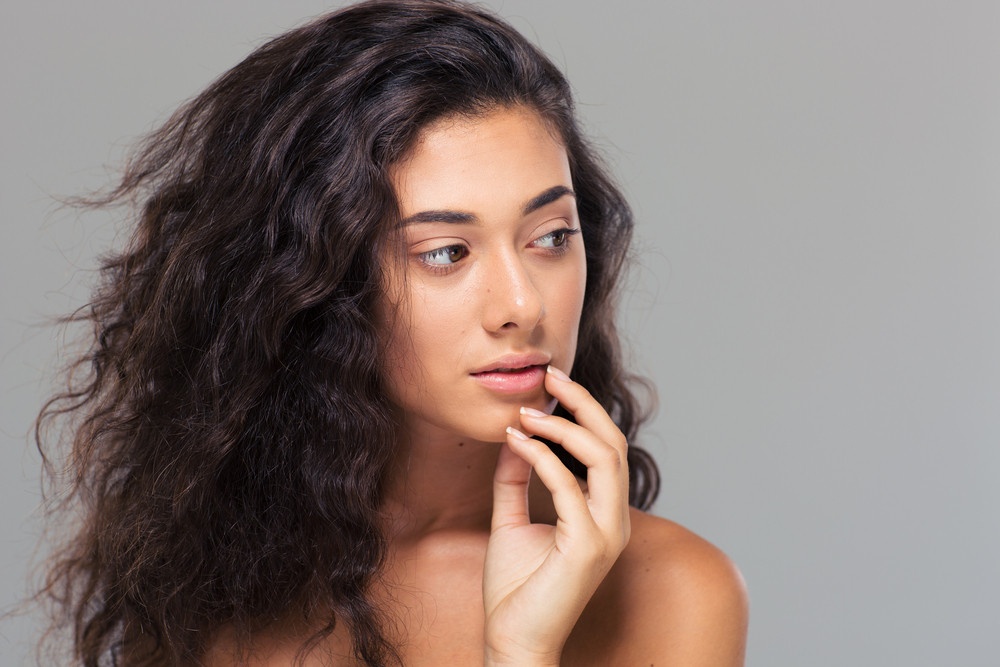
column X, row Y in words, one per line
column 585, row 409
column 607, row 467
column 579, row 441
column 567, row 496
column 510, row 489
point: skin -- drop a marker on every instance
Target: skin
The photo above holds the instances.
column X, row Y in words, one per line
column 498, row 554
column 468, row 293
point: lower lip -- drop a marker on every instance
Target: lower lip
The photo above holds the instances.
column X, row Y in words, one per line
column 518, row 382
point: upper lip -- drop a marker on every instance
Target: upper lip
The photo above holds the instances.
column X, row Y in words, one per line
column 514, row 361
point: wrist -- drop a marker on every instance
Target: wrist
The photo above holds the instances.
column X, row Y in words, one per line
column 516, row 658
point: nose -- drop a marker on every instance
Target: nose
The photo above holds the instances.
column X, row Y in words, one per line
column 512, row 298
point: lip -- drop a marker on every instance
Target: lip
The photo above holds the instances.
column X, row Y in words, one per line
column 515, row 361
column 528, row 374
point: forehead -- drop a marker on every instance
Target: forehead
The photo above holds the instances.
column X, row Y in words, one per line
column 481, row 163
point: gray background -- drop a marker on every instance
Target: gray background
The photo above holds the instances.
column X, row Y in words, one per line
column 817, row 293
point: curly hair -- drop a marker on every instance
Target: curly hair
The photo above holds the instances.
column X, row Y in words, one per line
column 231, row 430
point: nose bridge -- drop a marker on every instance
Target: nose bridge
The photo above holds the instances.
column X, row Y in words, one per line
column 513, row 295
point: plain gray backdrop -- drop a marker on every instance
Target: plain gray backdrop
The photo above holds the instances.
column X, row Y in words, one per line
column 816, row 291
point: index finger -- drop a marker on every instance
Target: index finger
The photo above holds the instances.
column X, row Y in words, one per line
column 585, row 409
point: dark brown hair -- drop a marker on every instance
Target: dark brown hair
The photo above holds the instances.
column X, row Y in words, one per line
column 232, row 430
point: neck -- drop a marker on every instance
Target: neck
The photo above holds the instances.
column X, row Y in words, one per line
column 439, row 482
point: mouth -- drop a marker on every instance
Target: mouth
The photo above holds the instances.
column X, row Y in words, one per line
column 510, row 371
column 502, row 369
column 513, row 374
column 513, row 363
column 512, row 380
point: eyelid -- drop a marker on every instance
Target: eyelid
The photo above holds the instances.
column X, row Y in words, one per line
column 566, row 228
column 423, row 257
column 567, row 232
column 425, row 244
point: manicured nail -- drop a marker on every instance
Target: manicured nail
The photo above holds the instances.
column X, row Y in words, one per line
column 517, row 434
column 558, row 374
column 531, row 412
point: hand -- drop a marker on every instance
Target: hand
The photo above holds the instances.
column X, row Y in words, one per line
column 538, row 578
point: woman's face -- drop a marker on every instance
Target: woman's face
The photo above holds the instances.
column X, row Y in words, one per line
column 491, row 282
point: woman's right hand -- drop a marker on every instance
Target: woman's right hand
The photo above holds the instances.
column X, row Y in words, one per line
column 538, row 578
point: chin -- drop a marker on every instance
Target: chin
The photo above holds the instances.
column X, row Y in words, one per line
column 492, row 426
column 482, row 418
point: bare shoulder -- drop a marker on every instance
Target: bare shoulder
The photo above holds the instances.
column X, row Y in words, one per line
column 672, row 598
column 665, row 556
column 690, row 599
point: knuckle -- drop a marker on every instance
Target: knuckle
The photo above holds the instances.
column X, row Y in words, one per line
column 612, row 458
column 578, row 398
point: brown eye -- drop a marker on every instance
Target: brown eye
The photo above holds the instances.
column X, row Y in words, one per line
column 556, row 239
column 444, row 256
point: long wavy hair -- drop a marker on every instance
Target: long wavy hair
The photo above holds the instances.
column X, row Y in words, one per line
column 230, row 430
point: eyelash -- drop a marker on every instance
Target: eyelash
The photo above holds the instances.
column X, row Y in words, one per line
column 564, row 235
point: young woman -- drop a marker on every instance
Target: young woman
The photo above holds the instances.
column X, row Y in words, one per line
column 355, row 394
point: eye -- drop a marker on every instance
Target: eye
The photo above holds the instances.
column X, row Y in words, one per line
column 444, row 256
column 557, row 239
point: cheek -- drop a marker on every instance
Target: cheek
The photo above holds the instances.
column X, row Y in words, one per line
column 568, row 293
column 424, row 340
column 575, row 292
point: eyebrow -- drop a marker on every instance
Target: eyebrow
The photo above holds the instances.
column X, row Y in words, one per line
column 459, row 217
column 547, row 197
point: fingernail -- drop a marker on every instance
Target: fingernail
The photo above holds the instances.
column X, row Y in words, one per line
column 558, row 374
column 531, row 412
column 517, row 434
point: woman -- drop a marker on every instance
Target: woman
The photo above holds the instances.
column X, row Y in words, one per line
column 329, row 416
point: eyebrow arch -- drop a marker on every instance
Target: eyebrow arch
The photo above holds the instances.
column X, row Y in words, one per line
column 547, row 197
column 454, row 217
column 460, row 217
